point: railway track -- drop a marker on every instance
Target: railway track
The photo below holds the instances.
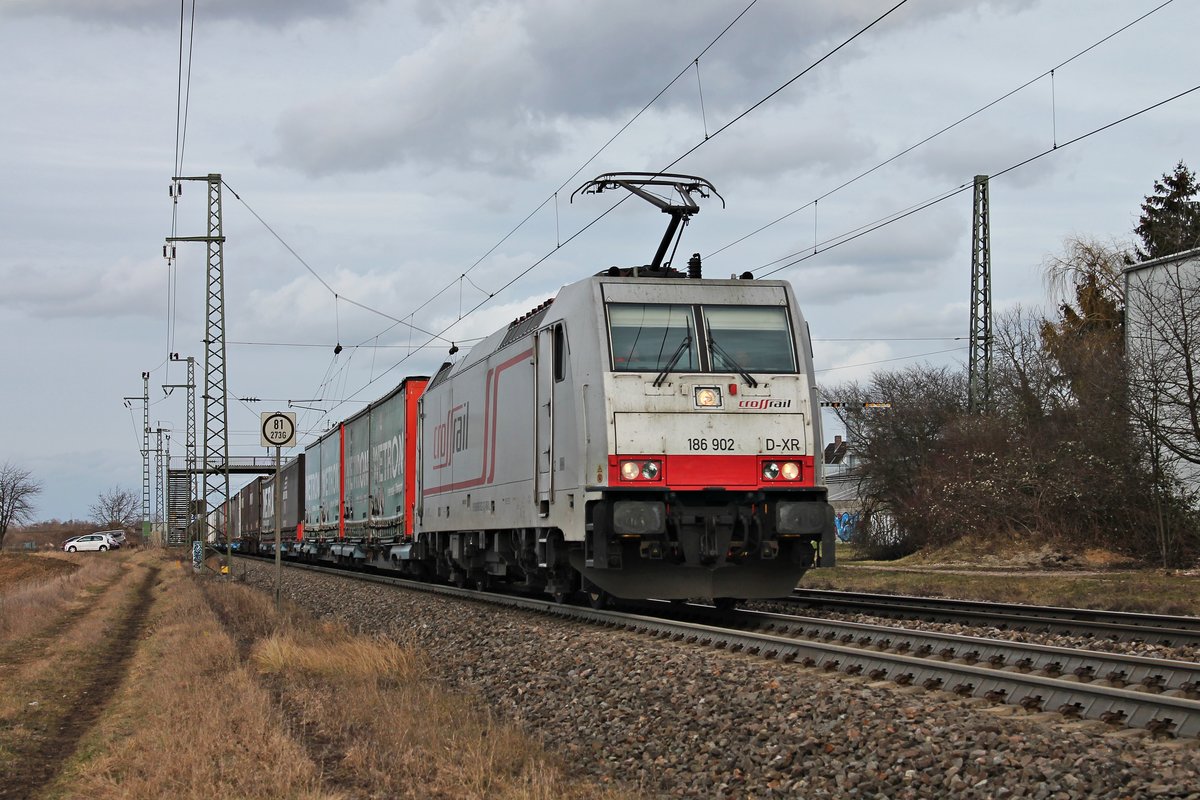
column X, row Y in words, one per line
column 1172, row 631
column 1158, row 695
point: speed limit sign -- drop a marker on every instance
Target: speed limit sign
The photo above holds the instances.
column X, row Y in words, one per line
column 278, row 428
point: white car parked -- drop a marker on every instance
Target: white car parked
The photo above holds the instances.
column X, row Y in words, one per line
column 92, row 541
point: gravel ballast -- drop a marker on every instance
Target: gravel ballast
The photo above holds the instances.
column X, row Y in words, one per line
column 667, row 719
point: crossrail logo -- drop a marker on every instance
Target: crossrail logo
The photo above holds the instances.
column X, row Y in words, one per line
column 450, row 437
column 763, row 403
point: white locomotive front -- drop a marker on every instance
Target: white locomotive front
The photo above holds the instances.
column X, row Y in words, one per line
column 644, row 434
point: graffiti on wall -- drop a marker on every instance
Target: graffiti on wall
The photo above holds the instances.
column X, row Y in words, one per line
column 845, row 523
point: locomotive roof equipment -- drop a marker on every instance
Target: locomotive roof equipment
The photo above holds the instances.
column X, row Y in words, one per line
column 681, row 212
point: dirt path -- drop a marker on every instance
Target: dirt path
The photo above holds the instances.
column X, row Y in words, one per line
column 23, row 650
column 48, row 741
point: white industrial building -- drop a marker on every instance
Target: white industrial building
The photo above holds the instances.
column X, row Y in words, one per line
column 1162, row 345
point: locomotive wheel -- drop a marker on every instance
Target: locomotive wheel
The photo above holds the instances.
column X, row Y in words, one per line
column 598, row 598
column 460, row 580
column 560, row 597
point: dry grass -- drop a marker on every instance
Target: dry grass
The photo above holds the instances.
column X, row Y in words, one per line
column 325, row 714
column 37, row 592
column 1147, row 591
column 44, row 689
column 371, row 711
column 1019, row 569
column 329, row 653
column 189, row 720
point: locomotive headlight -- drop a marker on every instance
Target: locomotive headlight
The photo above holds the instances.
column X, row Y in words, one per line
column 770, row 470
column 707, row 397
column 790, row 470
column 641, row 470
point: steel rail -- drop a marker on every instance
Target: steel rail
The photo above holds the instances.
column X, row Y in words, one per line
column 1161, row 713
column 1116, row 669
column 1116, row 625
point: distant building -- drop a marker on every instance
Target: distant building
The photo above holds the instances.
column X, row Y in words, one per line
column 1162, row 346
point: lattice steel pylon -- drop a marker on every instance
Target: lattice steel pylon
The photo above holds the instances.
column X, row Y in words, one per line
column 979, row 365
column 216, row 402
column 145, row 457
column 158, row 481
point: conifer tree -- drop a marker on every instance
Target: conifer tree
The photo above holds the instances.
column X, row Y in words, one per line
column 1170, row 220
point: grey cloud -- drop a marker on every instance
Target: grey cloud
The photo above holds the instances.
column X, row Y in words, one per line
column 158, row 13
column 124, row 289
column 496, row 86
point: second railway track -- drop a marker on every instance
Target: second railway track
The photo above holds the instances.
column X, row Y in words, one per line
column 1158, row 695
column 1174, row 631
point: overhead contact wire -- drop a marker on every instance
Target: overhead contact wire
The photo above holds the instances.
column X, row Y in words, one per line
column 721, row 129
column 837, row 241
column 943, row 130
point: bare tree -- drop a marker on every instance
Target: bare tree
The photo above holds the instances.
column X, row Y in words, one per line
column 892, row 446
column 17, row 490
column 116, row 508
column 1085, row 262
column 1164, row 350
column 1025, row 382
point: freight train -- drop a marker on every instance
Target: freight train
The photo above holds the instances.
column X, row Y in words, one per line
column 644, row 433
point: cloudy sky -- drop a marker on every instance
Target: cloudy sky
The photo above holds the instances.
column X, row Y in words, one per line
column 380, row 157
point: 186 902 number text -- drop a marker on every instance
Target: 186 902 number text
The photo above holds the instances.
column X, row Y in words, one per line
column 717, row 444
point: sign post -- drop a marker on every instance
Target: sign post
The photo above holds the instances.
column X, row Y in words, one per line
column 278, row 431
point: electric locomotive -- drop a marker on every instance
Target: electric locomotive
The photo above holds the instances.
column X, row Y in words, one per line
column 645, row 433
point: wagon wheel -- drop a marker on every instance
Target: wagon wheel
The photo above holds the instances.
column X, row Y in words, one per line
column 598, row 598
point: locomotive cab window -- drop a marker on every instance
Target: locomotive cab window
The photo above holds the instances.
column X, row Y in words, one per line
column 652, row 337
column 702, row 338
column 750, row 338
column 560, row 354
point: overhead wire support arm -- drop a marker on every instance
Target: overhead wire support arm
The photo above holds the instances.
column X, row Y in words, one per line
column 635, row 182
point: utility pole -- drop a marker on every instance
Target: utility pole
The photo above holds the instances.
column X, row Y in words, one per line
column 979, row 364
column 158, row 482
column 216, row 402
column 166, row 531
column 145, row 400
column 145, row 457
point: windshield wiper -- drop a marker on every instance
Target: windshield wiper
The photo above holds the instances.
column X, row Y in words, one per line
column 731, row 361
column 683, row 345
